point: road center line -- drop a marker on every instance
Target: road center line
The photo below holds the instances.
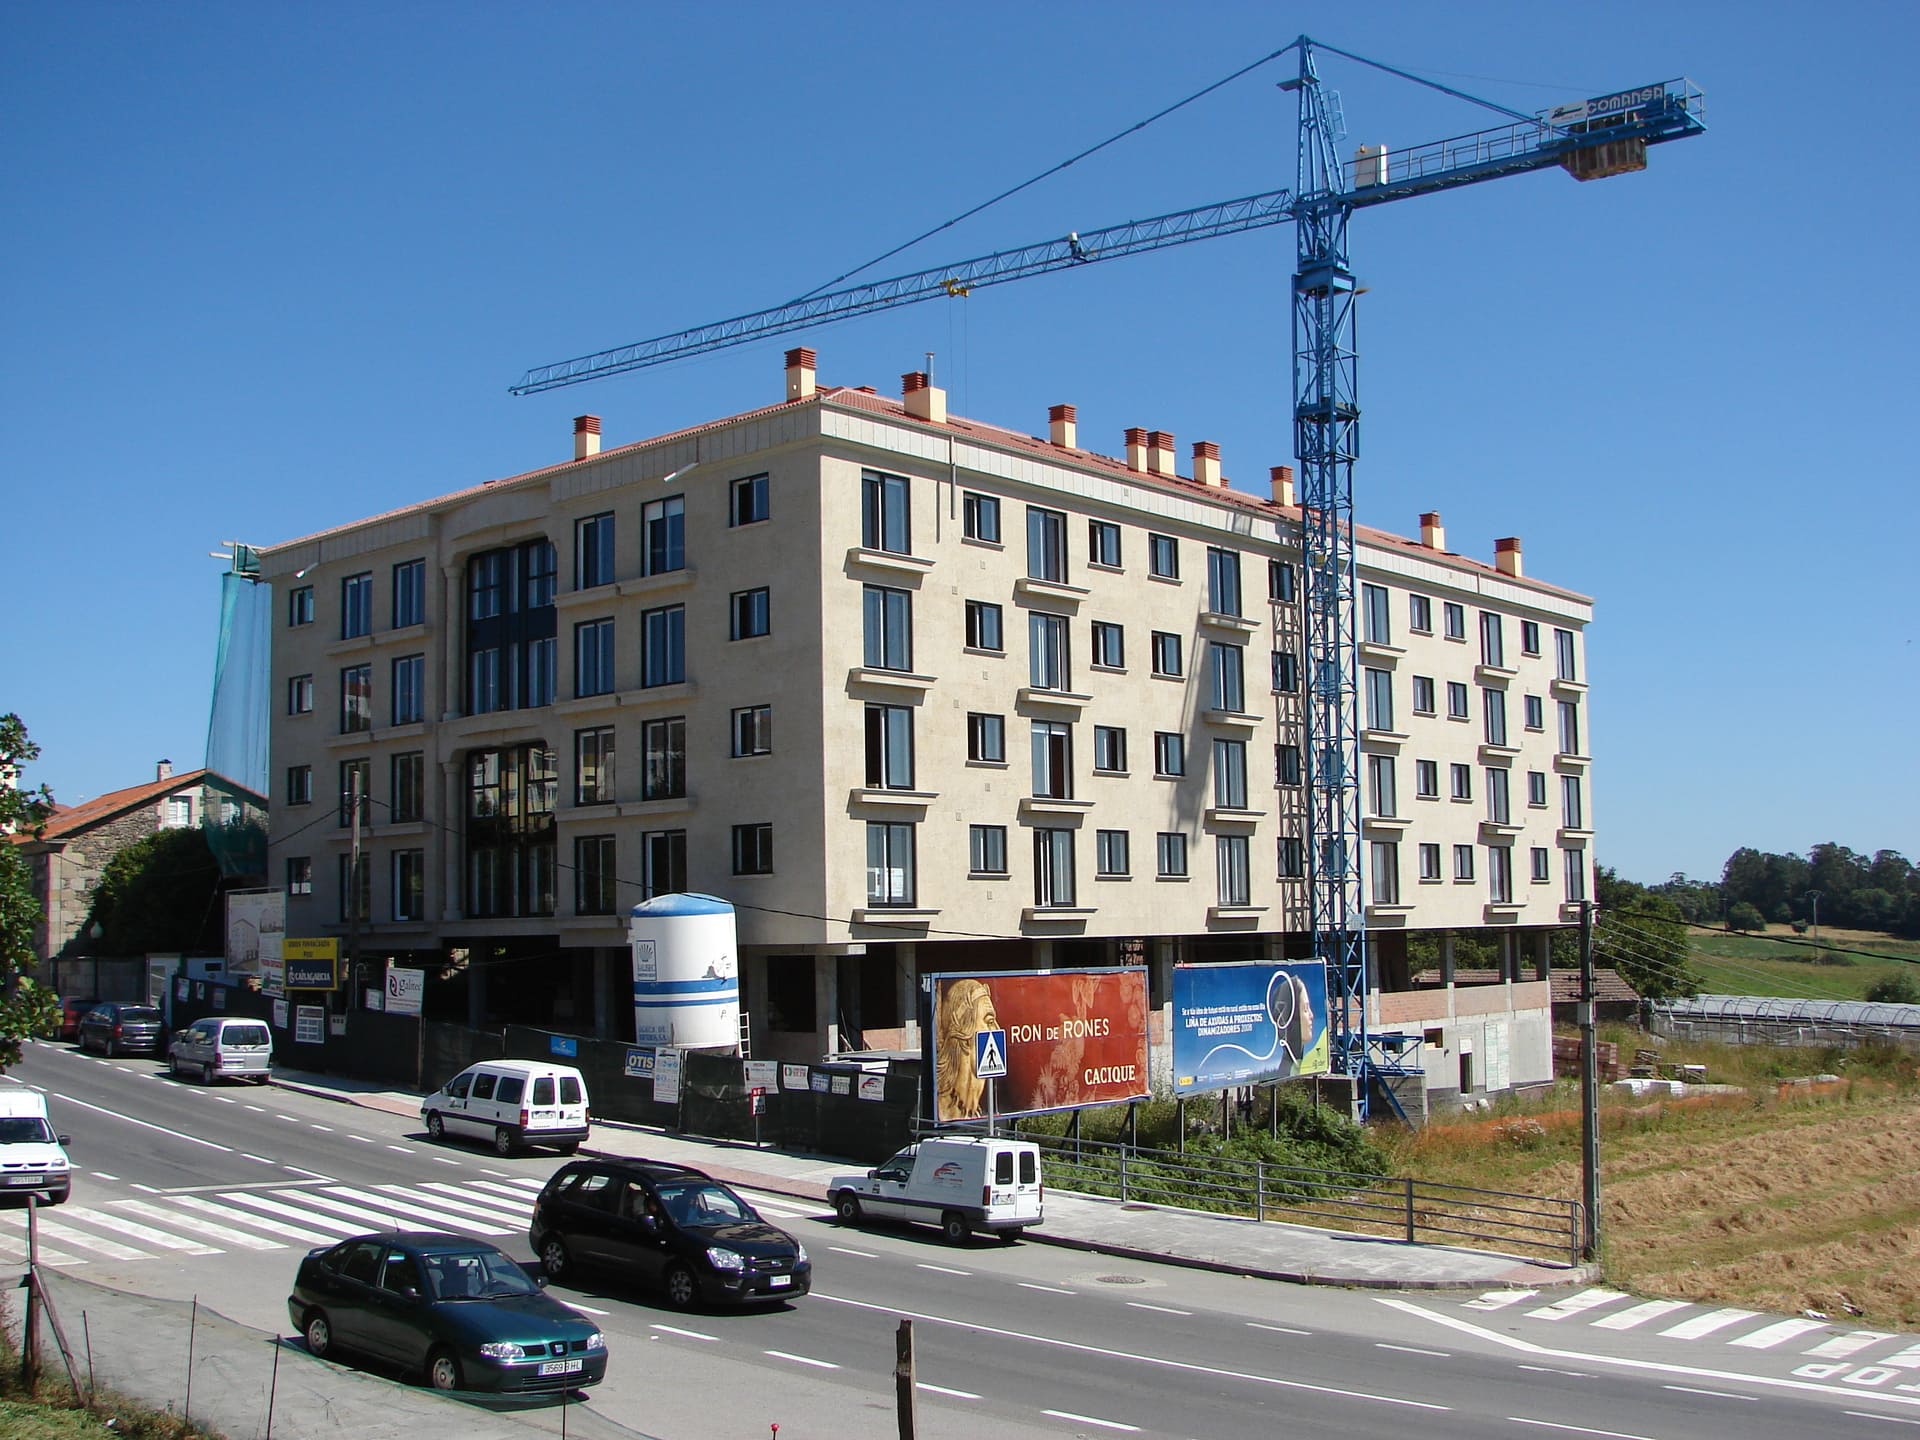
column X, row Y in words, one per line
column 1162, row 1309
column 1050, row 1289
column 801, row 1359
column 1890, row 1419
column 1717, row 1394
column 145, row 1124
column 943, row 1390
column 1412, row 1350
column 1277, row 1329
column 1091, row 1420
column 1578, row 1429
column 944, row 1269
column 863, row 1254
column 689, row 1334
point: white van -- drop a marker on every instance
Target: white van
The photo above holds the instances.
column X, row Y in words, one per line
column 32, row 1161
column 960, row 1184
column 513, row 1103
column 233, row 1046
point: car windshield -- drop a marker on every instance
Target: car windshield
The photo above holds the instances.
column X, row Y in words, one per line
column 24, row 1130
column 703, row 1202
column 475, row 1275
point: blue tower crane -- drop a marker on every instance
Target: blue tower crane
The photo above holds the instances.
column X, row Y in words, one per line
column 1591, row 139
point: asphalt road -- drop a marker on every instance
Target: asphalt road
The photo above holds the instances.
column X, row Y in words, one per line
column 186, row 1190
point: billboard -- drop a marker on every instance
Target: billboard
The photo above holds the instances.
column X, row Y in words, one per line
column 311, row 964
column 1244, row 1024
column 1074, row 1037
column 256, row 921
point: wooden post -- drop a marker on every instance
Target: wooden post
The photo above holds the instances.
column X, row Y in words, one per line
column 905, row 1390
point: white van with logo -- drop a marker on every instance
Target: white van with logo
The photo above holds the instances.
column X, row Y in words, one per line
column 960, row 1184
column 32, row 1160
column 513, row 1103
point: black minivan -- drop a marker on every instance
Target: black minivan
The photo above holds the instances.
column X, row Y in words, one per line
column 120, row 1028
column 668, row 1226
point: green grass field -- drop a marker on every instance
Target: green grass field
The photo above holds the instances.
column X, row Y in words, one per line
column 1782, row 963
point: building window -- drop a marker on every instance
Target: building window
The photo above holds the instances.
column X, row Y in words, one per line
column 1499, row 798
column 1423, row 695
column 983, row 626
column 1292, row 858
column 1564, row 667
column 1047, row 656
column 356, row 699
column 1420, row 614
column 884, row 518
column 1170, row 855
column 1536, row 713
column 1573, row 814
column 1493, row 707
column 1536, row 787
column 1166, row 655
column 300, row 695
column 1109, row 645
column 409, row 593
column 663, row 862
column 1379, row 699
column 1163, row 557
column 409, row 689
column 987, row 849
column 1230, row 774
column 1383, row 873
column 1463, row 862
column 1576, row 868
column 751, row 615
column 888, row 622
column 1462, row 777
column 541, row 668
column 1053, row 759
column 1234, row 878
column 1500, row 874
column 595, row 891
column 1426, row 779
column 987, row 738
column 889, row 747
column 1381, row 794
column 1223, row 581
column 593, row 551
column 300, row 784
column 407, row 777
column 1103, row 544
column 593, row 658
column 753, row 849
column 1286, row 672
column 663, row 535
column 747, row 501
column 753, row 730
column 1169, row 753
column 663, row 646
column 355, row 888
column 1109, row 749
column 980, row 517
column 1046, row 544
column 1280, row 583
column 593, row 766
column 890, row 864
column 1110, row 857
column 1493, row 640
column 1286, row 759
column 1455, row 616
column 511, row 796
column 356, row 778
column 1053, row 868
column 409, row 884
column 1226, row 672
column 1429, row 861
column 1377, row 625
column 1569, row 728
column 299, row 609
column 1542, row 865
column 663, row 758
column 1456, row 700
column 510, row 628
column 356, row 606
column 1529, row 637
column 300, row 867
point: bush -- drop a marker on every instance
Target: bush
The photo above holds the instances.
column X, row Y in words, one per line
column 1901, row 989
column 1745, row 916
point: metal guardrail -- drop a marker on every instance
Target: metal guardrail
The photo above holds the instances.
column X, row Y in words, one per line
column 1416, row 1211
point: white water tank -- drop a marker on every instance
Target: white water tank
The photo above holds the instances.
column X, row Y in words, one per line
column 686, row 973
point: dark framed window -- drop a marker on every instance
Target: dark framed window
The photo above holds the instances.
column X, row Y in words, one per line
column 300, row 694
column 511, row 794
column 980, row 517
column 409, row 689
column 356, row 699
column 300, row 606
column 753, row 849
column 356, row 605
column 1052, row 759
column 887, row 620
column 1286, row 672
column 1163, row 557
column 663, row 862
column 1103, row 544
column 1170, row 855
column 987, row 738
column 885, row 518
column 409, row 884
column 1420, row 614
column 1109, row 749
column 593, row 551
column 663, row 749
column 1169, row 753
column 747, row 501
column 1230, row 774
column 751, row 613
column 299, row 875
column 753, row 730
column 593, row 651
column 663, row 646
column 1109, row 645
column 1292, row 857
column 300, row 784
column 409, row 593
column 1048, row 653
column 1231, row 868
column 595, row 884
column 1454, row 616
column 889, row 747
column 510, row 628
column 987, row 849
column 1286, row 759
column 1280, row 582
column 1226, row 673
column 1053, row 879
column 593, row 766
column 1046, row 544
column 1166, row 655
column 1529, row 637
column 407, row 781
column 1223, row 581
column 983, row 626
column 1110, row 857
column 891, row 880
column 355, row 887
column 663, row 535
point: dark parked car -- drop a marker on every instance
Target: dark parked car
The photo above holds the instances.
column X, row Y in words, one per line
column 667, row 1226
column 121, row 1028
column 458, row 1311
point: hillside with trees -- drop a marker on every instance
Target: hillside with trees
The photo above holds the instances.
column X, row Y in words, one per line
column 1849, row 890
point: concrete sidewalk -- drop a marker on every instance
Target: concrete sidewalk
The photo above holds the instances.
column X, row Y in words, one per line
column 1232, row 1244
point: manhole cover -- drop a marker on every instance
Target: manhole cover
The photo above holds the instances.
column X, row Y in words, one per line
column 1138, row 1205
column 1121, row 1279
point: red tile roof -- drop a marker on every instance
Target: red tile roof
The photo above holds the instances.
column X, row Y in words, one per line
column 67, row 820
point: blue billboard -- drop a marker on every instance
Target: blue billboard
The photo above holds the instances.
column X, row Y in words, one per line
column 1245, row 1024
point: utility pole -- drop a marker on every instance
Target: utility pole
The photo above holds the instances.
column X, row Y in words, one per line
column 353, row 891
column 1813, row 899
column 1589, row 1096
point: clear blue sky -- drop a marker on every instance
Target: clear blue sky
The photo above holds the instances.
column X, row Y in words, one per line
column 270, row 268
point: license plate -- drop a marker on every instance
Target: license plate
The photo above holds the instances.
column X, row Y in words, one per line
column 779, row 1282
column 26, row 1180
column 560, row 1367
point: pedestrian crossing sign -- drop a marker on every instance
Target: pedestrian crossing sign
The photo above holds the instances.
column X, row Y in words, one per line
column 990, row 1054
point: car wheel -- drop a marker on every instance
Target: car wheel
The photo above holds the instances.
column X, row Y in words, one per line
column 443, row 1370
column 505, row 1142
column 954, row 1226
column 1007, row 1237
column 847, row 1206
column 682, row 1290
column 572, row 1147
column 110, row 1049
column 173, row 1065
column 59, row 1198
column 319, row 1333
column 554, row 1258
column 436, row 1127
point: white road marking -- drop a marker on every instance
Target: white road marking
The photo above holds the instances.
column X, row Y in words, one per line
column 1050, row 1289
column 367, row 1219
column 501, row 1174
column 258, row 1110
column 288, row 1118
column 1578, row 1429
column 1412, row 1350
column 863, row 1254
column 1778, row 1333
column 315, row 1174
column 445, row 1161
column 1575, row 1304
column 147, row 1233
column 943, row 1390
column 1907, row 1359
column 145, row 1189
column 584, row 1309
column 1706, row 1324
column 1639, row 1314
column 1556, row 1370
column 1717, row 1394
column 1500, row 1299
column 272, row 1227
column 1091, row 1420
column 103, row 1175
column 1277, row 1329
column 944, row 1269
column 67, row 1235
column 339, row 1229
column 194, row 1226
column 497, row 1212
column 402, row 1149
column 1163, row 1309
column 434, row 1218
column 48, row 1255
column 801, row 1359
column 689, row 1334
column 1890, row 1419
column 361, row 1138
column 226, row 1100
column 1841, row 1346
column 315, row 1125
column 261, row 1158
column 147, row 1125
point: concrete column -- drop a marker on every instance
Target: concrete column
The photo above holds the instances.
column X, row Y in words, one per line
column 1446, row 958
column 451, row 640
column 1042, row 951
column 906, row 980
column 826, row 1001
column 449, row 838
column 1542, row 954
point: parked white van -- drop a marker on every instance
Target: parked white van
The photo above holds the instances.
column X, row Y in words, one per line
column 233, row 1046
column 513, row 1103
column 32, row 1160
column 960, row 1184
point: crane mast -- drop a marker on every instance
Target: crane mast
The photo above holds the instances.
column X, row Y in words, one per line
column 1591, row 139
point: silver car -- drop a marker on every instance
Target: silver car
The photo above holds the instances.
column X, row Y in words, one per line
column 233, row 1046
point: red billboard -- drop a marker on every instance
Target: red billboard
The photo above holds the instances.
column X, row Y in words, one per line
column 1074, row 1037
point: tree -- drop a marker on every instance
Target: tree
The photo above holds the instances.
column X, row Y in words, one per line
column 26, row 1008
column 1744, row 916
column 1643, row 936
column 161, row 893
